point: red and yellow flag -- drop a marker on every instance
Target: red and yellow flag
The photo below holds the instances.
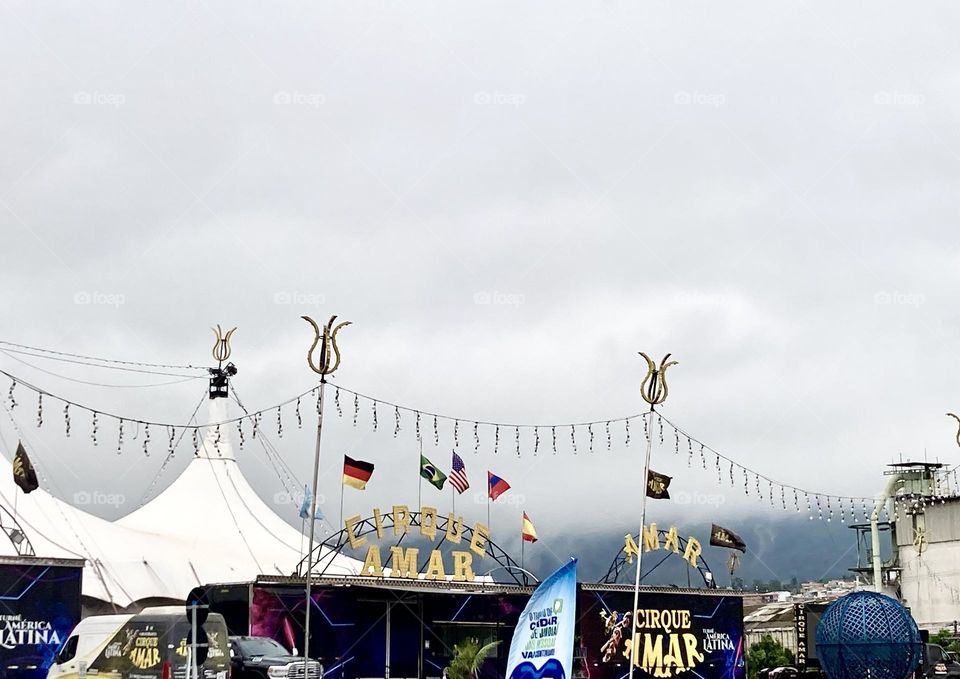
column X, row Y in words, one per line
column 528, row 532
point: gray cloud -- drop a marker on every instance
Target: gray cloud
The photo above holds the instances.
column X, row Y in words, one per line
column 765, row 191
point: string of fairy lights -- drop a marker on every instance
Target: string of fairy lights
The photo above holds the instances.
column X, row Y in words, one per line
column 573, row 438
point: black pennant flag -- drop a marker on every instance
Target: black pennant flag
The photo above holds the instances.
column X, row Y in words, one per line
column 657, row 485
column 721, row 537
column 24, row 474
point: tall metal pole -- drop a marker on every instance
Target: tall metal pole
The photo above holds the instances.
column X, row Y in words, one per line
column 654, row 391
column 634, row 651
column 313, row 527
column 328, row 362
column 194, row 666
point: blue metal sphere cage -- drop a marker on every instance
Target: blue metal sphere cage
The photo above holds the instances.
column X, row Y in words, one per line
column 866, row 635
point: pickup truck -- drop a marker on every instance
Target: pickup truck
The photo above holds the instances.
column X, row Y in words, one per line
column 264, row 658
column 936, row 662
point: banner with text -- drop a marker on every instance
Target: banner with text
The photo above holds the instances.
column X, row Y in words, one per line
column 542, row 645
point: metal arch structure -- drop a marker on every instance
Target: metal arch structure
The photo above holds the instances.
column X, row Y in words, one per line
column 621, row 560
column 15, row 533
column 327, row 551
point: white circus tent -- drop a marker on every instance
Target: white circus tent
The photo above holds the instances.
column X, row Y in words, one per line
column 208, row 526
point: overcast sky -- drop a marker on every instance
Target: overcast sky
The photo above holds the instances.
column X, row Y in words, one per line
column 509, row 201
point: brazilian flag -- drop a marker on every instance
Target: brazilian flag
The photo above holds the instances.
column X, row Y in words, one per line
column 429, row 471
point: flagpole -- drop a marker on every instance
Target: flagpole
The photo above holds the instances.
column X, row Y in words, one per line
column 420, row 478
column 653, row 390
column 488, row 508
column 521, row 540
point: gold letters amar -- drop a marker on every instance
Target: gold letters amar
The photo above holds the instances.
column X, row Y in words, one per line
column 671, row 541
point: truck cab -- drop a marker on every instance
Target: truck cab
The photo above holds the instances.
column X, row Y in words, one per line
column 264, row 658
column 936, row 662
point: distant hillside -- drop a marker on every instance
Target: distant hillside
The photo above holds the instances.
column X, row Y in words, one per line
column 778, row 549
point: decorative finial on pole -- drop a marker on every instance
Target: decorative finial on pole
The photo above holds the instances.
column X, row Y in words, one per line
column 958, row 426
column 653, row 389
column 221, row 348
column 327, row 363
column 328, row 350
column 219, row 384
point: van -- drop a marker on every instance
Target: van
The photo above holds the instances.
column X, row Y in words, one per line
column 152, row 644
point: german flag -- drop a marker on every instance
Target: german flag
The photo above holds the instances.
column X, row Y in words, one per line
column 356, row 473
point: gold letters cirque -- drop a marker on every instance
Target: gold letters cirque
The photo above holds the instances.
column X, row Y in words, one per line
column 404, row 561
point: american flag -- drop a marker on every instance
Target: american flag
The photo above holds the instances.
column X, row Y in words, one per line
column 458, row 475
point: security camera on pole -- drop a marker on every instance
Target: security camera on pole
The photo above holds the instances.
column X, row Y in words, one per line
column 653, row 389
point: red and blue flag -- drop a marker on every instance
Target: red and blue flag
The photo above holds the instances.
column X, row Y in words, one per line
column 496, row 486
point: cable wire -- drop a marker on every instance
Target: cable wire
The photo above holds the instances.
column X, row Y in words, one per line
column 185, row 378
column 102, row 360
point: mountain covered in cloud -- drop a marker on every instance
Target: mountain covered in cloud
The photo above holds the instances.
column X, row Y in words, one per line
column 778, row 550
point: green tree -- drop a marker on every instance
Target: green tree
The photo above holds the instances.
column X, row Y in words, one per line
column 767, row 653
column 946, row 640
column 468, row 657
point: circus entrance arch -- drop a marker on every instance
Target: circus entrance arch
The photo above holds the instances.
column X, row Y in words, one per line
column 659, row 544
column 447, row 549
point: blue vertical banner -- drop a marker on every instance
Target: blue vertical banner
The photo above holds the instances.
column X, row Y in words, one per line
column 542, row 645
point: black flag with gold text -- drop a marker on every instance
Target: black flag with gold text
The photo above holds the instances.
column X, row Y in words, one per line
column 657, row 485
column 24, row 474
column 721, row 537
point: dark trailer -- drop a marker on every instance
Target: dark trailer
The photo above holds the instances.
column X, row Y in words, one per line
column 388, row 627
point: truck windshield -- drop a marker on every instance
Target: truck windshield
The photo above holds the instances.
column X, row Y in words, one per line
column 260, row 646
column 935, row 655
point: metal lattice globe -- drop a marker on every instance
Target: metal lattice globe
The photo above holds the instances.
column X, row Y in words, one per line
column 866, row 634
